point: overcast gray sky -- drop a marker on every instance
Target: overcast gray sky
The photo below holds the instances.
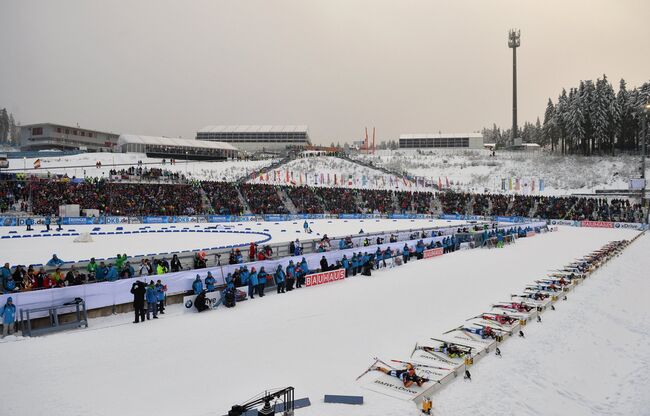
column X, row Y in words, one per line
column 168, row 68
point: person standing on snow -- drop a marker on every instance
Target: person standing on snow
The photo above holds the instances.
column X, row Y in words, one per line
column 138, row 290
column 8, row 315
column 280, row 279
column 261, row 281
column 152, row 300
column 160, row 295
column 252, row 283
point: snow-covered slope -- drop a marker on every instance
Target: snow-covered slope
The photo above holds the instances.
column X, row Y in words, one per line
column 321, row 171
column 319, row 339
column 479, row 171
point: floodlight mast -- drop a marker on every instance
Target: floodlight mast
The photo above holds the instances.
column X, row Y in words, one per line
column 514, row 40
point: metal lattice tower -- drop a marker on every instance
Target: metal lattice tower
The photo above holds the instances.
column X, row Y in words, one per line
column 514, row 40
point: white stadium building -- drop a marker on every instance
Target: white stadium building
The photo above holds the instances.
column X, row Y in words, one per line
column 171, row 148
column 257, row 138
column 441, row 141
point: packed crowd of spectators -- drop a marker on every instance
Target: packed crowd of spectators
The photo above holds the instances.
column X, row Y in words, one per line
column 114, row 198
column 306, row 199
column 263, row 199
column 376, row 201
column 117, row 198
column 223, row 197
column 13, row 192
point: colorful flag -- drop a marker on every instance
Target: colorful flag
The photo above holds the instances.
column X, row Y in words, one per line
column 541, row 185
column 439, row 183
column 447, row 179
column 503, row 184
column 517, row 184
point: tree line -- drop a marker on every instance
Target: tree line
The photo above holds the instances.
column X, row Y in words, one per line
column 9, row 130
column 591, row 118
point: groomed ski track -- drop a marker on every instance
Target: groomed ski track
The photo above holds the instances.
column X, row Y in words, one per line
column 319, row 340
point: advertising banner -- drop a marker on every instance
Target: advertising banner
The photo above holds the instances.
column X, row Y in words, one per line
column 8, row 221
column 324, row 277
column 157, row 220
column 82, row 220
column 450, row 217
column 597, row 224
column 434, row 252
column 211, row 301
column 564, row 222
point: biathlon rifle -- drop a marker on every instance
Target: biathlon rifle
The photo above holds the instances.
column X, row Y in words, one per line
column 421, row 365
column 455, row 344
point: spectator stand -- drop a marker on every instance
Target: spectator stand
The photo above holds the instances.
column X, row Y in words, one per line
column 79, row 317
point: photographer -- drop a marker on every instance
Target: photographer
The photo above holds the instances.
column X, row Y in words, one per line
column 138, row 290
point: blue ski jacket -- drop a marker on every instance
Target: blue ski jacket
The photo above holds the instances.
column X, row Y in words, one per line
column 8, row 313
column 210, row 282
column 197, row 285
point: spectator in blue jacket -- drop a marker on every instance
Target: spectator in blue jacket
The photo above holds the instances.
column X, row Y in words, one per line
column 297, row 249
column 48, row 221
column 55, row 261
column 160, row 296
column 306, row 226
column 261, row 281
column 379, row 259
column 5, row 275
column 210, row 282
column 419, row 250
column 112, row 273
column 101, row 272
column 406, row 253
column 197, row 285
column 243, row 275
column 8, row 315
column 354, row 263
column 152, row 300
column 342, row 244
column 346, row 265
column 29, row 222
column 127, row 271
column 252, row 283
column 59, row 222
column 290, row 276
column 304, row 267
column 230, row 282
column 280, row 279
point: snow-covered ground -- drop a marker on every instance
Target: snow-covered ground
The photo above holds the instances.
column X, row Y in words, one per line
column 589, row 357
column 201, row 170
column 478, row 171
column 39, row 250
column 319, row 339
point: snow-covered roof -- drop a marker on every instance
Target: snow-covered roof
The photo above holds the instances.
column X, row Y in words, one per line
column 254, row 129
column 440, row 135
column 168, row 141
